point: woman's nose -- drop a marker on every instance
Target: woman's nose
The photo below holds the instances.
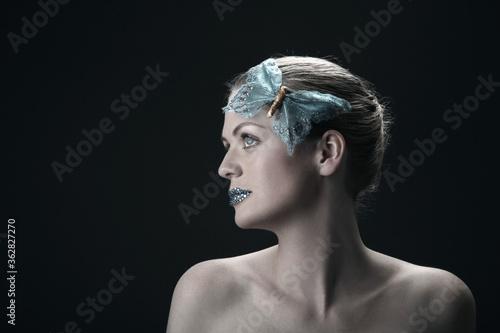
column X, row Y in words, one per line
column 229, row 168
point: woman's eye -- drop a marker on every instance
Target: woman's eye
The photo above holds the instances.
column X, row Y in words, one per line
column 249, row 141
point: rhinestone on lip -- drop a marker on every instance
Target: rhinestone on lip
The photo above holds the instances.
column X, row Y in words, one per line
column 236, row 195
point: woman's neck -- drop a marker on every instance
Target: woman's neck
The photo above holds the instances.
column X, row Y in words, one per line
column 318, row 260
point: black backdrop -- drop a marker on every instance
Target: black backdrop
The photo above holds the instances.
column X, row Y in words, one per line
column 119, row 207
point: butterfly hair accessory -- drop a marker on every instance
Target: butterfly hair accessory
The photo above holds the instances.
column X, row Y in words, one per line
column 295, row 111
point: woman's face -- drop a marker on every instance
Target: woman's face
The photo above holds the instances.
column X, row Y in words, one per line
column 282, row 187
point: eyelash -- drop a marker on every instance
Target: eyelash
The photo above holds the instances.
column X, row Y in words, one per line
column 243, row 137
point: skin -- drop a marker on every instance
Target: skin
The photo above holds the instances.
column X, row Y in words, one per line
column 320, row 277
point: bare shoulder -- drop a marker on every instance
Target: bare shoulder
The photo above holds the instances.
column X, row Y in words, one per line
column 436, row 300
column 199, row 292
column 207, row 290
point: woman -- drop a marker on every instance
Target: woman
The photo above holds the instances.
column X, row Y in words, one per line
column 305, row 140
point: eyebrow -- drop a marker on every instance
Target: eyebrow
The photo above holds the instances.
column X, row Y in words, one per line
column 240, row 126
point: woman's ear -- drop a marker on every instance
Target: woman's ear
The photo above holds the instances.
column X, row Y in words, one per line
column 331, row 150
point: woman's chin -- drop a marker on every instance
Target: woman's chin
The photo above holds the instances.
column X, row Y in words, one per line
column 247, row 218
column 251, row 218
column 245, row 222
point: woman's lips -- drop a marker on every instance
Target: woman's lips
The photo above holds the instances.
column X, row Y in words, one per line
column 237, row 195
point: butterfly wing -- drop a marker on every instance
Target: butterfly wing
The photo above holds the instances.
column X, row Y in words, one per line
column 262, row 84
column 300, row 109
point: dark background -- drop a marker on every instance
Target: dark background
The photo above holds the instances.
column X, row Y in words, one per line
column 119, row 207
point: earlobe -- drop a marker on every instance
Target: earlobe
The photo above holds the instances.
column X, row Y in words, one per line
column 332, row 148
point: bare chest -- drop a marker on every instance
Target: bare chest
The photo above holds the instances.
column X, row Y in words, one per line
column 264, row 315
